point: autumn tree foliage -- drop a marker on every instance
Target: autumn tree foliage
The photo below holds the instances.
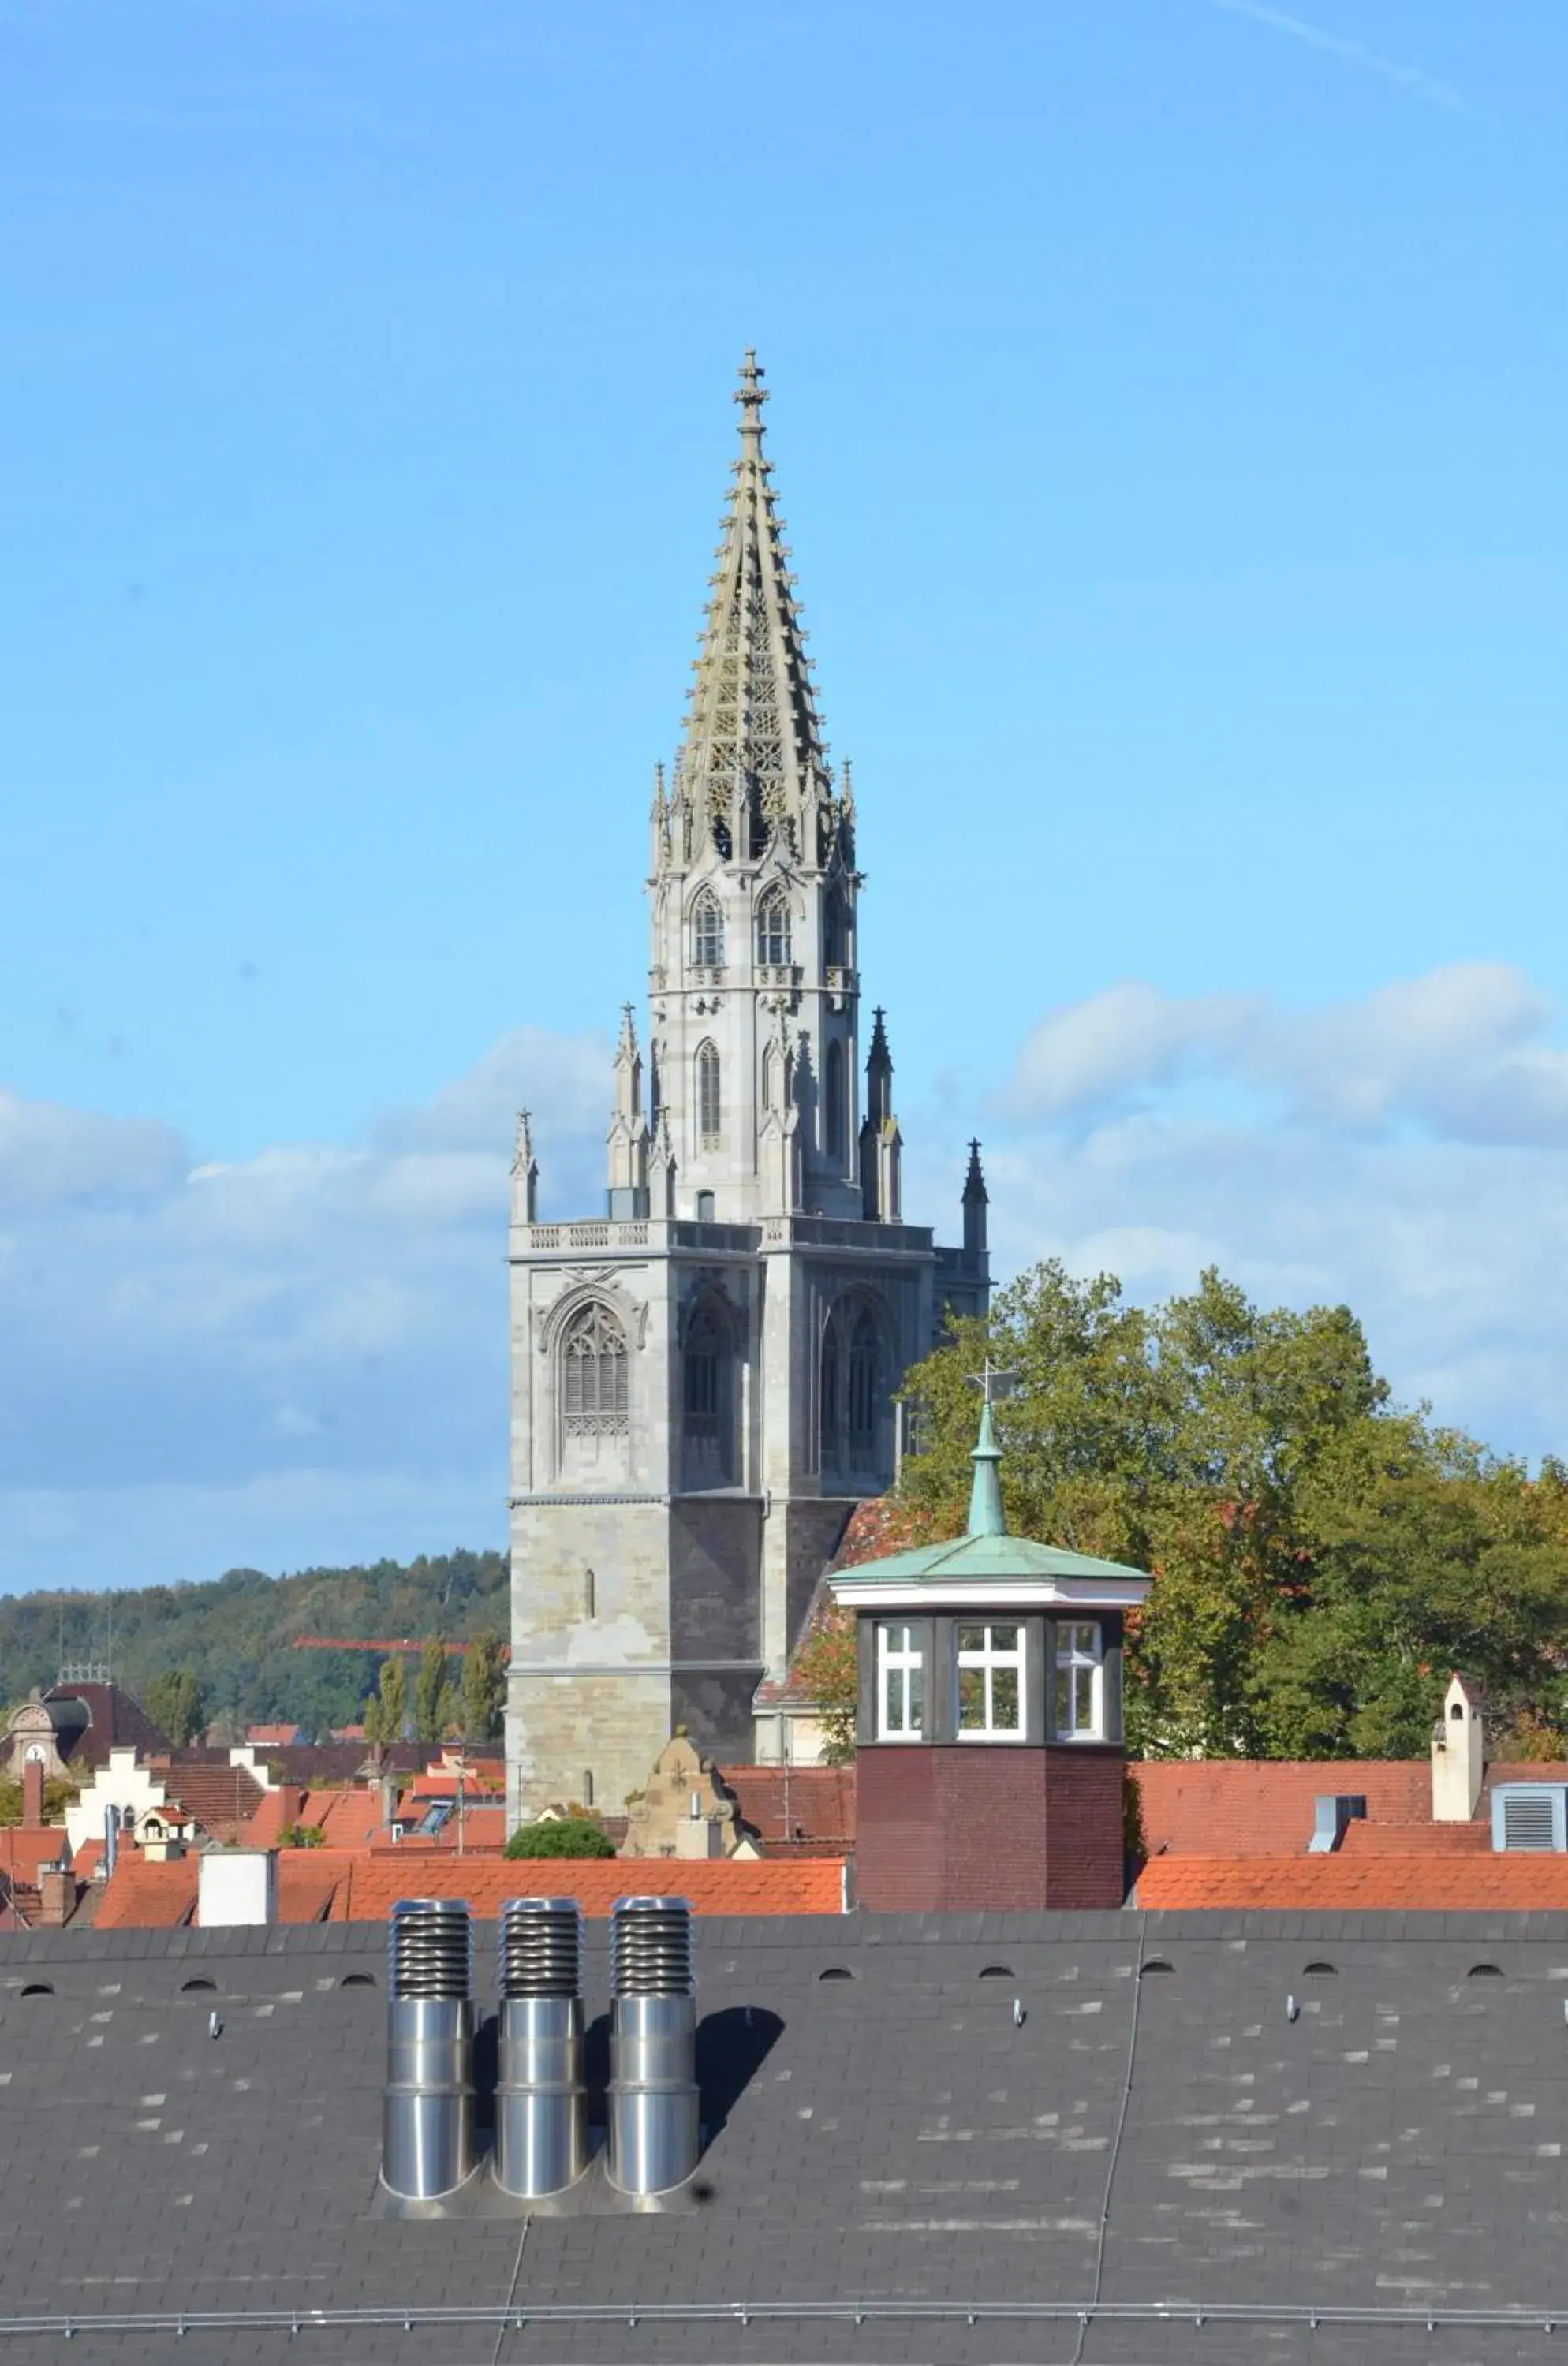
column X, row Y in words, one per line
column 1323, row 1557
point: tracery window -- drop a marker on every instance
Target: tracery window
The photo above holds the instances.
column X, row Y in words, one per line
column 709, row 1102
column 596, row 1388
column 707, row 931
column 772, row 929
column 705, row 1364
column 850, row 1392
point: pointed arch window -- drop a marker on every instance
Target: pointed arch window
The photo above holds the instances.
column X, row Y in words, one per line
column 849, row 1395
column 707, row 931
column 709, row 1100
column 833, row 1095
column 595, row 1386
column 863, row 1391
column 772, row 929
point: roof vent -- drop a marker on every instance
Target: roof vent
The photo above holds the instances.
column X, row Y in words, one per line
column 653, row 2130
column 1530, row 1815
column 541, row 2107
column 427, row 2141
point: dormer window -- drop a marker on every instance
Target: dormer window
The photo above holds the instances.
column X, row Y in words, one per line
column 772, row 929
column 1080, row 1692
column 990, row 1682
column 707, row 931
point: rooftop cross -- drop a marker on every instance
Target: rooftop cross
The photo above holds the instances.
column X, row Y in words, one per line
column 988, row 1380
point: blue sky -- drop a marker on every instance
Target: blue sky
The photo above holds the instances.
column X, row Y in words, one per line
column 1167, row 412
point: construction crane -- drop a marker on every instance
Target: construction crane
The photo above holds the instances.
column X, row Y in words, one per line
column 383, row 1643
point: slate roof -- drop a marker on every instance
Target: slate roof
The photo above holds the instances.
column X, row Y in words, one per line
column 114, row 1721
column 894, row 2139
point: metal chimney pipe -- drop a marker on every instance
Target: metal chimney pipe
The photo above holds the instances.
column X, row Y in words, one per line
column 427, row 2113
column 541, row 2104
column 653, row 2136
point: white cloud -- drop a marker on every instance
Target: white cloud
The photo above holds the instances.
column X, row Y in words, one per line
column 1457, row 1052
column 1412, row 80
column 50, row 1153
column 302, row 1356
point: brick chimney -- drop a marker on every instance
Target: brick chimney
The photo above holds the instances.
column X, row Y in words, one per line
column 32, row 1795
column 57, row 1896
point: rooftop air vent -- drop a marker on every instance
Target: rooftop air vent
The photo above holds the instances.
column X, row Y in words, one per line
column 653, row 2128
column 427, row 2146
column 541, row 2108
column 1529, row 1815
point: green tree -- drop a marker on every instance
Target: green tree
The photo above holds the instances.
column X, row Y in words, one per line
column 385, row 1711
column 174, row 1704
column 433, row 1702
column 572, row 1836
column 826, row 1671
column 1322, row 1559
column 484, row 1687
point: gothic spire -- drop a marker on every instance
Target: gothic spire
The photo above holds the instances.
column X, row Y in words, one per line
column 976, row 1200
column 755, row 764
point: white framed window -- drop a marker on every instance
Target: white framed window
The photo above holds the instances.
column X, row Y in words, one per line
column 1079, row 1689
column 990, row 1682
column 900, row 1685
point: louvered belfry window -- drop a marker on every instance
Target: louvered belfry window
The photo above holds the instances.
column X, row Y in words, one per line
column 596, row 1392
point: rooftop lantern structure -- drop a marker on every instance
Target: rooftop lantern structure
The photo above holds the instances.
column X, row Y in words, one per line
column 990, row 1759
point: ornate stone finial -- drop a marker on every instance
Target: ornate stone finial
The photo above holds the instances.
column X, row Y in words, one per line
column 522, row 1161
column 752, row 393
column 627, row 1048
column 661, row 803
column 846, row 794
column 974, row 1182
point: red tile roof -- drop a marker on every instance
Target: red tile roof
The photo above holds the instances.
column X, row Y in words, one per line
column 1435, row 1881
column 725, row 1886
column 352, row 1886
column 23, row 1848
column 221, row 1797
column 145, row 1896
column 796, row 1803
column 1239, row 1806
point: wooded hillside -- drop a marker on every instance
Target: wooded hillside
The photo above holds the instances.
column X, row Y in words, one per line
column 236, row 1635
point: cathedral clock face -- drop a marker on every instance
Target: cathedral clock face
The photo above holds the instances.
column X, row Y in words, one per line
column 35, row 1753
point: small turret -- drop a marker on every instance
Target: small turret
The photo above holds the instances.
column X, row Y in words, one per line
column 524, row 1174
column 628, row 1139
column 881, row 1143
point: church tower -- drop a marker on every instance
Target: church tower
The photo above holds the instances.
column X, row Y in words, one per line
column 703, row 1378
